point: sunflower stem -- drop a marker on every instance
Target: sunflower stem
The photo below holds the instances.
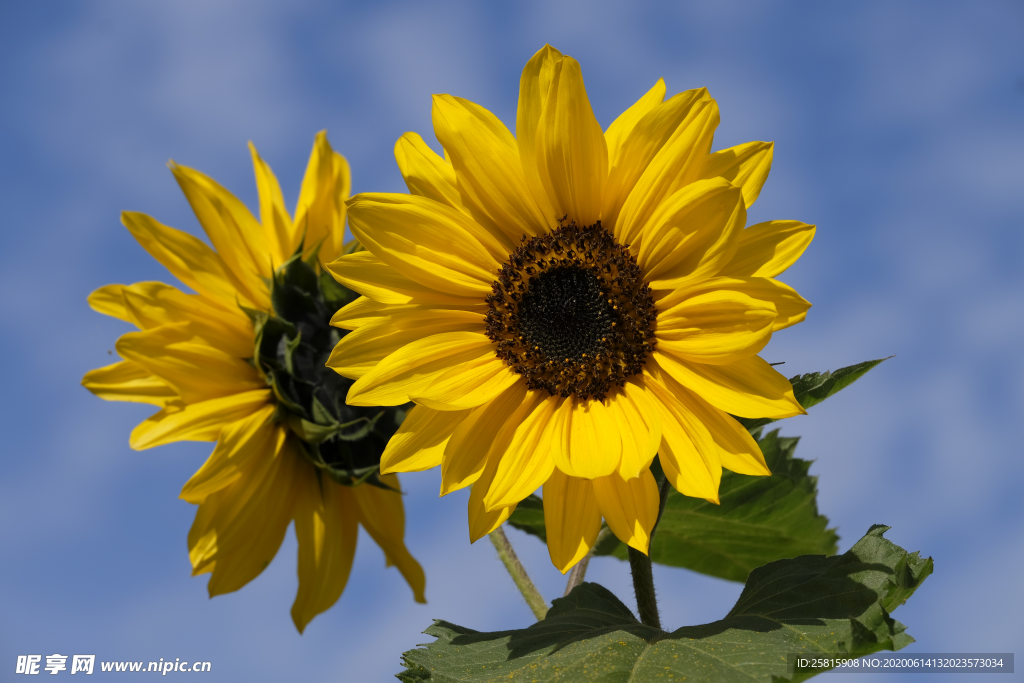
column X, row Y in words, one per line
column 640, row 566
column 580, row 570
column 518, row 573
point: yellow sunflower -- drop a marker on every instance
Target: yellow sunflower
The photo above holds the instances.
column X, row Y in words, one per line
column 241, row 362
column 564, row 304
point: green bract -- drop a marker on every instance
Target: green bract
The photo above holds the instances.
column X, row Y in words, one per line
column 292, row 346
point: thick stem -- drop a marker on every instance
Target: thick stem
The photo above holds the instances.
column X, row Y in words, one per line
column 580, row 570
column 643, row 576
column 518, row 573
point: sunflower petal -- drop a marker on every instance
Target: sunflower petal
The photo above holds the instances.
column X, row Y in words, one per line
column 572, row 156
column 469, row 385
column 253, row 438
column 585, row 441
column 368, row 275
column 747, row 388
column 129, row 381
column 358, row 352
column 428, row 242
column 619, row 130
column 745, row 166
column 198, row 421
column 466, row 452
column 693, row 234
column 187, row 258
column 534, row 89
column 481, row 520
column 790, row 307
column 277, row 224
column 767, row 249
column 675, row 163
column 426, row 174
column 327, row 528
column 364, row 311
column 639, row 422
column 420, row 441
column 688, row 454
column 320, row 212
column 238, row 530
column 716, row 327
column 571, row 517
column 382, row 515
column 235, row 233
column 487, row 165
column 630, row 507
column 413, row 368
column 525, row 464
column 638, row 146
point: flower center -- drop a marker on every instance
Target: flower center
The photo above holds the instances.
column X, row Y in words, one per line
column 571, row 313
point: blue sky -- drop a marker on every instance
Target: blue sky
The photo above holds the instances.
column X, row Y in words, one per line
column 899, row 131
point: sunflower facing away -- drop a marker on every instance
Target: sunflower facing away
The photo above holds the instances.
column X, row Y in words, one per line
column 241, row 362
column 564, row 304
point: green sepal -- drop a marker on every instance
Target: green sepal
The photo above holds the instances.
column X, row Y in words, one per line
column 803, row 606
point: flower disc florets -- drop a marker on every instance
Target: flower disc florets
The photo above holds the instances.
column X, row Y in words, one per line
column 571, row 312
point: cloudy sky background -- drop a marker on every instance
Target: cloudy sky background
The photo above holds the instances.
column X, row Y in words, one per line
column 899, row 131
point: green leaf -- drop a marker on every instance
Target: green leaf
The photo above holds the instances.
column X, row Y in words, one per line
column 529, row 517
column 760, row 519
column 808, row 605
column 814, row 387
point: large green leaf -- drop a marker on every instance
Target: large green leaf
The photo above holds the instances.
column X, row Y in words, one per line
column 807, row 605
column 814, row 387
column 758, row 520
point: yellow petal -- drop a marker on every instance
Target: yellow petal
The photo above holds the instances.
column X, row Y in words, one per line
column 382, row 515
column 428, row 242
column 238, row 529
column 619, row 130
column 466, row 452
column 234, row 231
column 415, row 366
column 320, row 212
column 188, row 259
column 128, row 381
column 525, row 464
column 326, row 527
column 747, row 388
column 745, row 166
column 277, row 224
column 359, row 351
column 481, row 520
column 737, row 449
column 534, row 88
column 585, row 441
column 426, row 174
column 654, row 127
column 469, row 385
column 630, row 507
column 420, row 441
column 689, row 455
column 364, row 311
column 716, row 327
column 790, row 307
column 572, row 156
column 368, row 275
column 490, row 175
column 109, row 300
column 571, row 518
column 767, row 249
column 254, row 438
column 196, row 370
column 198, row 421
column 675, row 163
column 638, row 420
column 693, row 234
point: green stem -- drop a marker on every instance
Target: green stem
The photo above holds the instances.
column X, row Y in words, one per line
column 518, row 573
column 580, row 570
column 643, row 576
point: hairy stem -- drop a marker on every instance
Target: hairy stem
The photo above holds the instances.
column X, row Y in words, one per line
column 518, row 573
column 580, row 570
column 643, row 576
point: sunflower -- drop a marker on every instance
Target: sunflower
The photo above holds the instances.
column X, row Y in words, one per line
column 564, row 304
column 241, row 362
